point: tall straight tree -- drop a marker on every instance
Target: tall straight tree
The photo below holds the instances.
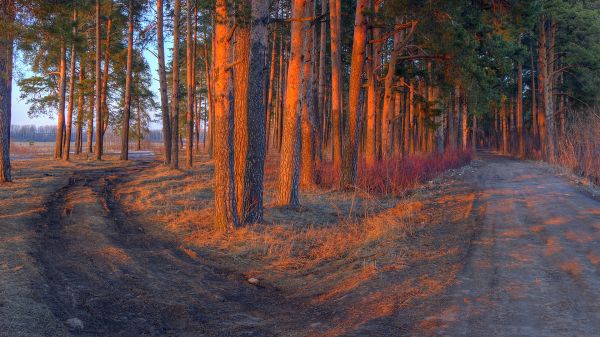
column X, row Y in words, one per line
column 288, row 173
column 190, row 78
column 241, row 51
column 356, row 70
column 519, row 107
column 162, row 76
column 67, row 144
column 255, row 159
column 322, row 79
column 107, row 56
column 307, row 119
column 175, row 89
column 225, row 207
column 335, row 13
column 98, row 107
column 7, row 16
column 128, row 83
column 62, row 88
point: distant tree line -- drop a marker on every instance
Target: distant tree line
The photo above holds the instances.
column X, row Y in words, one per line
column 47, row 133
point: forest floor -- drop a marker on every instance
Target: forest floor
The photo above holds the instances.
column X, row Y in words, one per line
column 499, row 247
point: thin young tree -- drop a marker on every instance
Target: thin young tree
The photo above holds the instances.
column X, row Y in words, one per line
column 190, row 79
column 162, row 75
column 98, row 102
column 288, row 172
column 62, row 87
column 175, row 89
column 128, row 80
column 67, row 144
column 335, row 13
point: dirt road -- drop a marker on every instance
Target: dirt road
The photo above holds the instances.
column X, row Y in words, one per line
column 534, row 269
column 506, row 249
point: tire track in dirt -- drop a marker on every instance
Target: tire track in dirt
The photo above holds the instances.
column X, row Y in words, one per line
column 103, row 269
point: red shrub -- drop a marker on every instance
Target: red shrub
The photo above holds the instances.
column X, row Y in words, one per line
column 396, row 175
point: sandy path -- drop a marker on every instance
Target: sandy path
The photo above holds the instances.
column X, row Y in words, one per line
column 534, row 270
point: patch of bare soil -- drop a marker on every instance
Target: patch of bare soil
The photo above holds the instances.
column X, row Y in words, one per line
column 129, row 250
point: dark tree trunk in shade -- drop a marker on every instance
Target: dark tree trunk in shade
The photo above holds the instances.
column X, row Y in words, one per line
column 255, row 159
column 7, row 14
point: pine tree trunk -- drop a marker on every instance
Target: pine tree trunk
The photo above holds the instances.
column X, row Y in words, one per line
column 257, row 141
column 504, row 125
column 307, row 120
column 107, row 54
column 372, row 96
column 519, row 107
column 190, row 78
column 356, row 70
column 288, row 173
column 90, row 125
column 388, row 106
column 321, row 111
column 175, row 89
column 67, row 144
column 549, row 90
column 62, row 86
column 454, row 111
column 534, row 119
column 474, row 134
column 128, row 84
column 98, row 85
column 80, row 108
column 464, row 122
column 162, row 76
column 335, row 13
column 225, row 206
column 542, row 75
column 211, row 102
column 269, row 107
column 7, row 15
column 240, row 133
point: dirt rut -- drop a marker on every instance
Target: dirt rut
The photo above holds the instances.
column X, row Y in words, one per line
column 103, row 269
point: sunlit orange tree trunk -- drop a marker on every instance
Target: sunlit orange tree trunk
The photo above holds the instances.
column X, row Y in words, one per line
column 240, row 85
column 307, row 119
column 335, row 23
column 175, row 89
column 288, row 173
column 356, row 71
column 190, row 78
column 225, row 208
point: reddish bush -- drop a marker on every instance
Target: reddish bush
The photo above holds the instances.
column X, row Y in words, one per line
column 396, row 175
